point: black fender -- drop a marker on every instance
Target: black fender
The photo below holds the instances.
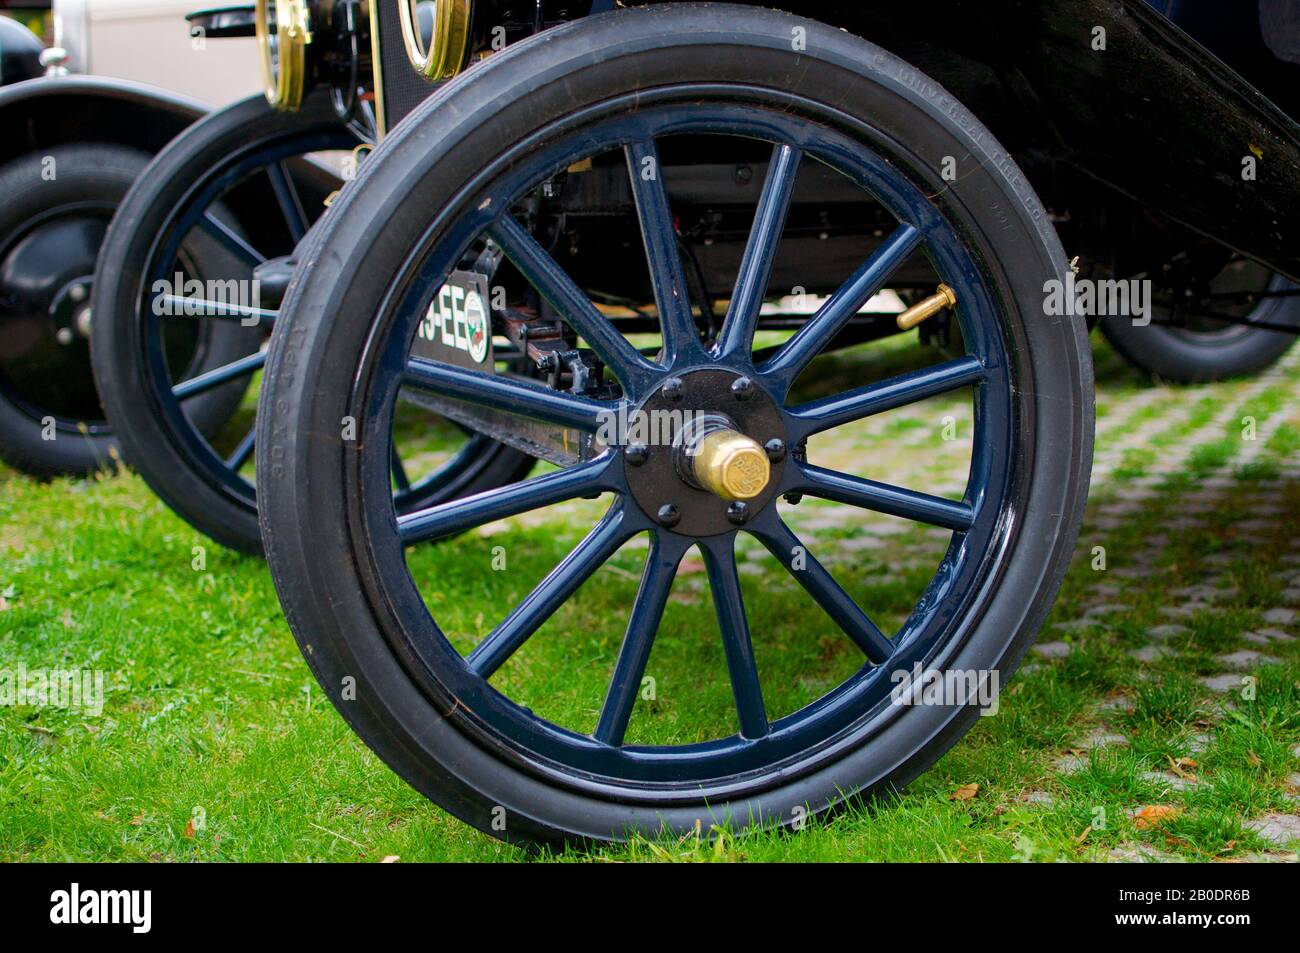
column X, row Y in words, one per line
column 43, row 113
column 20, row 52
column 1156, row 119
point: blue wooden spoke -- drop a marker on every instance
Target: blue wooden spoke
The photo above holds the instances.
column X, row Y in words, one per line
column 648, row 608
column 508, row 393
column 782, row 543
column 239, row 456
column 182, row 306
column 720, row 560
column 573, row 305
column 456, row 516
column 400, row 479
column 818, row 415
column 883, row 498
column 616, row 528
column 231, row 240
column 681, row 336
column 219, row 375
column 286, row 196
column 760, row 253
column 811, row 339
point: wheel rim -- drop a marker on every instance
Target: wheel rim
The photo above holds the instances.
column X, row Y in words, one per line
column 983, row 522
column 45, row 279
column 228, row 470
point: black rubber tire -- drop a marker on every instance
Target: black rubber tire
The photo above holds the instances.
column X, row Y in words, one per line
column 185, row 481
column 1185, row 357
column 314, row 363
column 86, row 173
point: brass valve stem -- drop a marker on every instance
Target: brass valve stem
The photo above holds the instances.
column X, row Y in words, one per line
column 944, row 297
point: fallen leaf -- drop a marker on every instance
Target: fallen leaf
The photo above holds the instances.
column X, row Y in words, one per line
column 138, row 820
column 391, row 859
column 1084, row 836
column 1153, row 815
column 1253, row 759
column 965, row 793
column 4, row 604
column 189, row 828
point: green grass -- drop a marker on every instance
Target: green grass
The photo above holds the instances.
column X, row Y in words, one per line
column 216, row 744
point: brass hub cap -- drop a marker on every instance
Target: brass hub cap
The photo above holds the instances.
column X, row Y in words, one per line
column 709, row 454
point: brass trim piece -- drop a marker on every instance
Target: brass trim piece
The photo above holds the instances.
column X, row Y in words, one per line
column 284, row 87
column 377, row 67
column 450, row 44
column 731, row 465
column 944, row 297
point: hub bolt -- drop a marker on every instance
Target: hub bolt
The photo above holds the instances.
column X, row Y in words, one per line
column 742, row 388
column 672, row 388
column 737, row 512
column 636, row 454
column 775, row 449
column 669, row 514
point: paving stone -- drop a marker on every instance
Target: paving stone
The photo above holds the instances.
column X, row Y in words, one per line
column 1291, row 596
column 1076, row 625
column 1167, row 779
column 1267, row 637
column 1220, row 559
column 1260, row 857
column 1201, row 593
column 1131, row 572
column 1167, row 630
column 1295, row 752
column 1152, row 653
column 859, row 543
column 1280, row 616
column 1103, row 739
column 1097, row 612
column 1276, row 827
column 1107, row 590
column 1141, row 854
column 1117, row 703
column 1039, row 798
column 1198, row 743
column 1183, row 611
column 1070, row 763
column 1222, row 683
column 1246, row 658
column 1052, row 649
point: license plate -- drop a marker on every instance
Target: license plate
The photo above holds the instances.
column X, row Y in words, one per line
column 457, row 328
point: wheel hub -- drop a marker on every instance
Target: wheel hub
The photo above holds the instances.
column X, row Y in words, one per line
column 705, row 452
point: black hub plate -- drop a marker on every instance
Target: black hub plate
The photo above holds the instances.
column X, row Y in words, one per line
column 657, row 482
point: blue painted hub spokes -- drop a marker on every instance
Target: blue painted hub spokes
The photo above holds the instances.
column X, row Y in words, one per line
column 977, row 522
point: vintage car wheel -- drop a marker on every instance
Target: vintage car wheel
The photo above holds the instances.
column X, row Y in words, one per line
column 1200, row 348
column 206, row 477
column 56, row 211
column 626, row 82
